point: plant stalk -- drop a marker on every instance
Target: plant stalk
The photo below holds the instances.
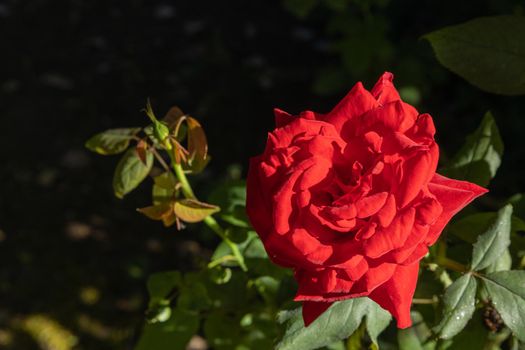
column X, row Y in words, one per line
column 209, row 220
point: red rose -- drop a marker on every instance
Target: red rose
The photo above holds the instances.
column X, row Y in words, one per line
column 351, row 199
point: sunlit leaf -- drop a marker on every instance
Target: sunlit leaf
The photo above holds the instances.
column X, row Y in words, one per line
column 111, row 141
column 506, row 289
column 338, row 322
column 164, row 188
column 480, row 157
column 130, row 172
column 502, row 263
column 156, row 212
column 191, row 210
column 473, row 336
column 197, row 146
column 376, row 322
column 489, row 52
column 162, row 211
column 493, row 243
column 458, row 306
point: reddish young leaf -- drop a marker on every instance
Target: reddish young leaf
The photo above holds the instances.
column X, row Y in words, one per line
column 191, row 210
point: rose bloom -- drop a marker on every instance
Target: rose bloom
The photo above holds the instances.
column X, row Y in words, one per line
column 351, row 199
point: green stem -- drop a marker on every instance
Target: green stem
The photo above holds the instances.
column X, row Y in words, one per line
column 221, row 260
column 450, row 264
column 185, row 185
column 209, row 220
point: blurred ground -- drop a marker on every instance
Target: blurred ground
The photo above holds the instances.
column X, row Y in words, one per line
column 73, row 259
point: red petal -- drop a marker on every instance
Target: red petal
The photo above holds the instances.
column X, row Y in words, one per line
column 370, row 205
column 312, row 310
column 453, row 195
column 384, row 90
column 391, row 237
column 312, row 250
column 417, row 172
column 282, row 118
column 396, row 294
column 388, row 212
column 355, row 103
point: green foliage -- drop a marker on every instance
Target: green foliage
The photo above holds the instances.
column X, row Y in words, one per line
column 489, row 52
column 473, row 336
column 493, row 243
column 459, row 305
column 130, row 172
column 506, row 290
column 417, row 337
column 480, row 157
column 231, row 197
column 112, row 141
column 338, row 322
column 174, row 333
column 239, row 299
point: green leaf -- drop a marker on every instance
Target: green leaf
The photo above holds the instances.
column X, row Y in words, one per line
column 502, row 263
column 252, row 248
column 416, row 337
column 506, row 289
column 473, row 336
column 338, row 322
column 470, row 227
column 493, row 243
column 130, row 172
column 376, row 322
column 231, row 197
column 459, row 304
column 480, row 157
column 222, row 331
column 111, row 141
column 489, row 52
column 191, row 210
column 358, row 339
column 175, row 333
column 408, row 340
column 194, row 296
column 160, row 284
column 164, row 188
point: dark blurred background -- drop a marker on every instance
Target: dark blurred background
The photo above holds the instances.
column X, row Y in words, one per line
column 74, row 259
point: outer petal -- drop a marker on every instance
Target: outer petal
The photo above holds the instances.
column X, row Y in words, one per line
column 312, row 310
column 355, row 103
column 280, row 251
column 453, row 195
column 384, row 90
column 282, row 118
column 258, row 210
column 396, row 294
